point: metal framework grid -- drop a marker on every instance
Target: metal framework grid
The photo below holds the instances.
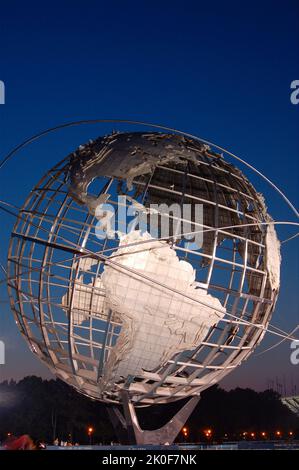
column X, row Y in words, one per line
column 54, row 236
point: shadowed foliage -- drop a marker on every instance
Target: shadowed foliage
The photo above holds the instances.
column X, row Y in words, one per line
column 46, row 409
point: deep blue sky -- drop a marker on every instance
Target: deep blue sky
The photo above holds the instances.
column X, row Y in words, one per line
column 220, row 70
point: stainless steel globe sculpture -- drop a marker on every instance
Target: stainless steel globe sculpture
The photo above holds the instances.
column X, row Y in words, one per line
column 147, row 315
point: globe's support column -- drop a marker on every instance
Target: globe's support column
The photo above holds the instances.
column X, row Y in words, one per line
column 166, row 434
column 119, row 425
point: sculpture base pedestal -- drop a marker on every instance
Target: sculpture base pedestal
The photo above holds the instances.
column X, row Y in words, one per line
column 129, row 431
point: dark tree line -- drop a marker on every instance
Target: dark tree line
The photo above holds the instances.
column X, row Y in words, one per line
column 46, row 409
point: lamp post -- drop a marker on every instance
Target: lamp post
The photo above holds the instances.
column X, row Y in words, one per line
column 208, row 433
column 185, row 432
column 90, row 432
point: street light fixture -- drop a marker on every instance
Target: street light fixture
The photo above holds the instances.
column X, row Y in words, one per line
column 90, row 432
column 185, row 432
column 208, row 433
